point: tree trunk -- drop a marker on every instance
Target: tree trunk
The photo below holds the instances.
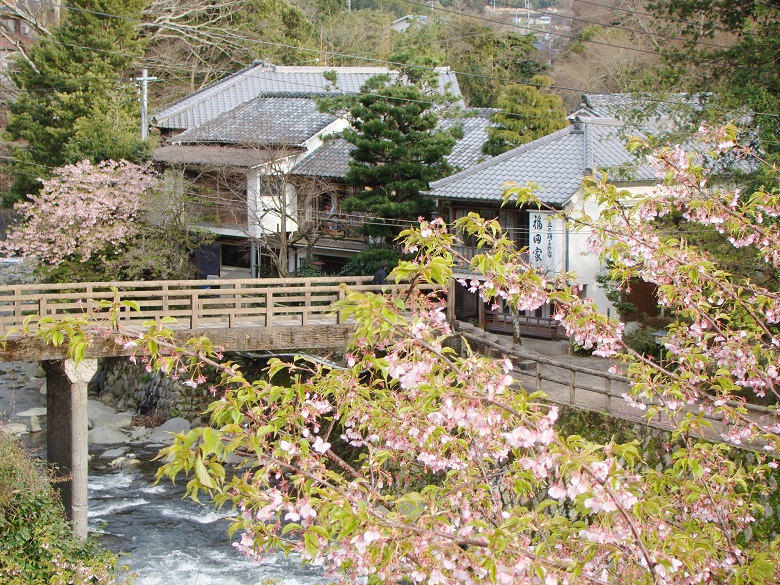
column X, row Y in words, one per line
column 516, row 328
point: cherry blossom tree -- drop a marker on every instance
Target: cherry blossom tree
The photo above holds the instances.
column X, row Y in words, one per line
column 418, row 463
column 83, row 210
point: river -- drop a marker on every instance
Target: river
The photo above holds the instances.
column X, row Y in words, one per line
column 162, row 537
column 173, row 541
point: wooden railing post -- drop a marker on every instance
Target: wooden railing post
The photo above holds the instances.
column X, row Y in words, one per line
column 451, row 301
column 306, row 307
column 165, row 299
column 88, row 292
column 18, row 305
column 572, row 375
column 338, row 314
column 538, row 376
column 233, row 315
column 269, row 308
column 194, row 309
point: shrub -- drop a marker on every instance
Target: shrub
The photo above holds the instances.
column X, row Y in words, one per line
column 367, row 262
column 36, row 543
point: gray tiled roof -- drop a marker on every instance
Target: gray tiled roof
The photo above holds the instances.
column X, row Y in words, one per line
column 269, row 121
column 332, row 158
column 467, row 151
column 612, row 105
column 268, row 80
column 557, row 163
column 218, row 156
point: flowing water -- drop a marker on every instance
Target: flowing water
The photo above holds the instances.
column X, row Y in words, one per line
column 173, row 541
column 163, row 538
column 168, row 540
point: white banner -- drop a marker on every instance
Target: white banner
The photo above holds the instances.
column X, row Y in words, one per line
column 546, row 242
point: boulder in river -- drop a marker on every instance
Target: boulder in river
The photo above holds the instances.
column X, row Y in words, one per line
column 162, row 434
column 13, row 428
column 106, row 436
column 112, row 420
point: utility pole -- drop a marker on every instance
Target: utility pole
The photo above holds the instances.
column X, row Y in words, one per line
column 144, row 81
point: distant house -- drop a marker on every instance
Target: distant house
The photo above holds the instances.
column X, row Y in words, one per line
column 623, row 105
column 557, row 163
column 405, row 22
column 245, row 146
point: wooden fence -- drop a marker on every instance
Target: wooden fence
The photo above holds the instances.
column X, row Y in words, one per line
column 595, row 390
column 224, row 303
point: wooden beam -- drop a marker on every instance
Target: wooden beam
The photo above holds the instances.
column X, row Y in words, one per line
column 276, row 338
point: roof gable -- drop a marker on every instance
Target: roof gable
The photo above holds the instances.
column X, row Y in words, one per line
column 263, row 79
column 557, row 163
column 618, row 105
column 267, row 121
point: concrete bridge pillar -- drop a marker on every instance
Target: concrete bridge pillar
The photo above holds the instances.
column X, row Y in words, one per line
column 67, row 428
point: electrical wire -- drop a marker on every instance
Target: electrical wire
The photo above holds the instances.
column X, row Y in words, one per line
column 686, row 22
column 607, row 26
column 395, row 63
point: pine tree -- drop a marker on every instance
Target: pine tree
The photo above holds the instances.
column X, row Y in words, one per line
column 72, row 103
column 398, row 151
column 527, row 112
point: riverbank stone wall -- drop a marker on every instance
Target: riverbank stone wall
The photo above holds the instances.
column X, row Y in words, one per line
column 129, row 387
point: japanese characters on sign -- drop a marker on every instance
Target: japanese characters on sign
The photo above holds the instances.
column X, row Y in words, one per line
column 545, row 241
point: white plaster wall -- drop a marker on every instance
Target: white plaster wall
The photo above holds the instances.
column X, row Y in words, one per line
column 585, row 264
column 265, row 211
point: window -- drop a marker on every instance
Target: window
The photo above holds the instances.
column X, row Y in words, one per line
column 236, row 256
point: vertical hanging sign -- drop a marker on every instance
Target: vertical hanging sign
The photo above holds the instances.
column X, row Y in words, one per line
column 546, row 242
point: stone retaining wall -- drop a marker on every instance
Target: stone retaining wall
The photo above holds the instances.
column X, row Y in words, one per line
column 129, row 387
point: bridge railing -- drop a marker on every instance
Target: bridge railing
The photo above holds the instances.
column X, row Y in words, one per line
column 194, row 304
column 596, row 390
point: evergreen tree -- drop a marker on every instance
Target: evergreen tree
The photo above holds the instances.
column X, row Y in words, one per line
column 527, row 112
column 72, row 103
column 398, row 151
column 731, row 50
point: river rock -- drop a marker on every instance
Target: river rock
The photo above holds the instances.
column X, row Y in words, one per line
column 95, row 406
column 162, row 434
column 106, row 436
column 40, row 411
column 12, row 428
column 39, row 372
column 125, row 462
column 112, row 420
column 233, row 459
column 35, row 424
column 140, row 434
column 113, row 453
column 43, row 389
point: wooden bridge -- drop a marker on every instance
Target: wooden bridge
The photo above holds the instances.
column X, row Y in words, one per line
column 239, row 315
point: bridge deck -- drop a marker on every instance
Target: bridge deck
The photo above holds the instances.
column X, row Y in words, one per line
column 241, row 314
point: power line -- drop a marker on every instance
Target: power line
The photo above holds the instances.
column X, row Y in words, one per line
column 388, row 62
column 609, row 26
column 374, row 60
column 650, row 15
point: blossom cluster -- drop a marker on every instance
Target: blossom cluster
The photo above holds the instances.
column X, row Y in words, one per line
column 423, row 464
column 83, row 210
